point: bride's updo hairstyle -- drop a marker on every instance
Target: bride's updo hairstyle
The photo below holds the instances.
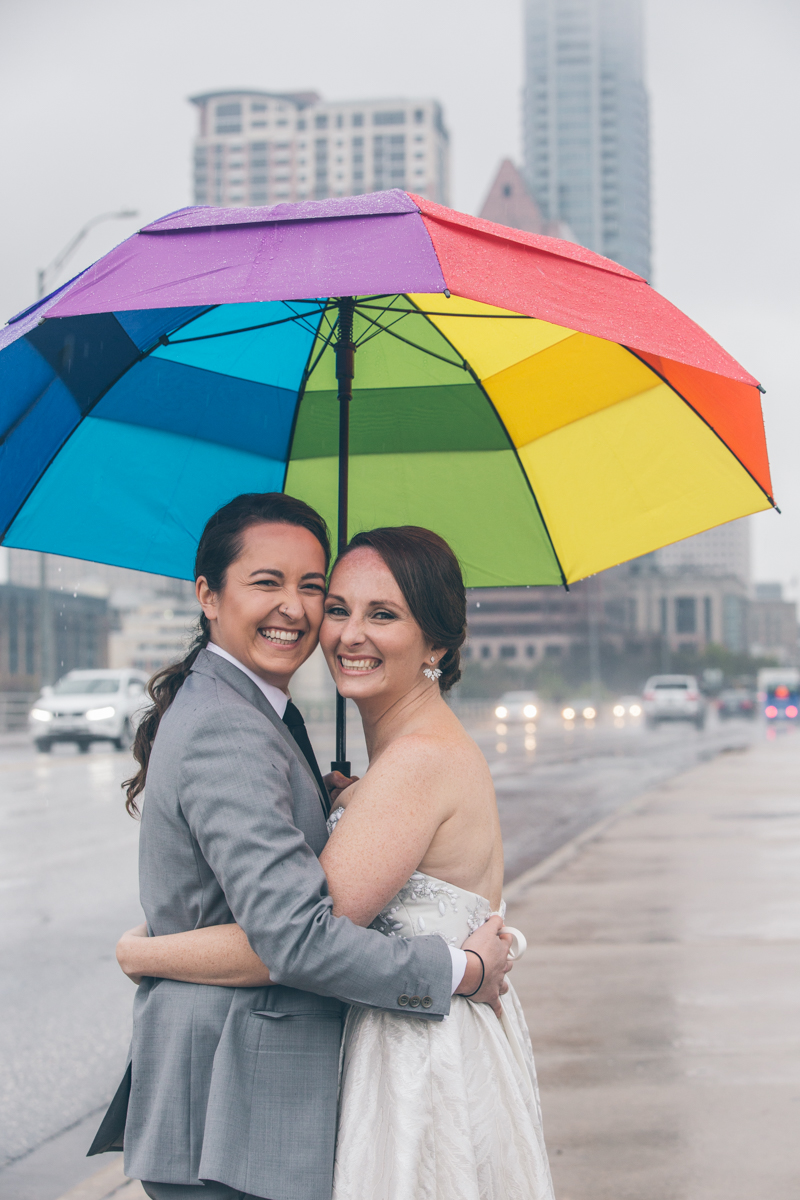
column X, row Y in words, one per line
column 429, row 575
column 220, row 544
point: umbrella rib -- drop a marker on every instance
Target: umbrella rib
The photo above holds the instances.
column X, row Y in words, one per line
column 414, row 346
column 469, row 316
column 308, row 371
column 688, row 404
column 380, row 328
column 301, row 391
column 489, row 401
column 302, row 318
column 386, row 308
column 245, row 329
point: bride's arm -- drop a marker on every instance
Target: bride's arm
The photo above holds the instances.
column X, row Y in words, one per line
column 388, row 826
column 216, row 954
column 377, row 846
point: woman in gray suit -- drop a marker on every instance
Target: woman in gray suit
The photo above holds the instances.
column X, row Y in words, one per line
column 233, row 1088
column 449, row 1112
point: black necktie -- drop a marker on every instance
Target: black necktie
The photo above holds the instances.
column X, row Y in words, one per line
column 293, row 719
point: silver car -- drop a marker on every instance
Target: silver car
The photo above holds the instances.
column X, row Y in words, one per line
column 673, row 698
column 89, row 706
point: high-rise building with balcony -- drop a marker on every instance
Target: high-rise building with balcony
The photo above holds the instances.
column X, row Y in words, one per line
column 255, row 148
column 586, row 123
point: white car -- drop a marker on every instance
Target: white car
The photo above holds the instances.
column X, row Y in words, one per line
column 89, row 706
column 517, row 706
column 673, row 698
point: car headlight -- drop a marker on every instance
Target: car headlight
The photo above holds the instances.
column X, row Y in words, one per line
column 619, row 710
column 41, row 714
column 501, row 712
column 529, row 710
column 568, row 714
column 635, row 710
column 589, row 713
column 100, row 714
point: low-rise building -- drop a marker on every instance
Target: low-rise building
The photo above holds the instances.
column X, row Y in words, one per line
column 150, row 630
column 76, row 632
column 627, row 607
column 772, row 625
column 526, row 625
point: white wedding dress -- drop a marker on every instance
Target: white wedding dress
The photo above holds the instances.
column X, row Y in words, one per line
column 439, row 1110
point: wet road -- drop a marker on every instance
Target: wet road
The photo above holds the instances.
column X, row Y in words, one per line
column 68, row 888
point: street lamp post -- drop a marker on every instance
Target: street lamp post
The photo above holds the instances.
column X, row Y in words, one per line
column 49, row 272
column 45, row 275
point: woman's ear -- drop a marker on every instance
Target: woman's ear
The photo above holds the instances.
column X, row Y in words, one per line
column 206, row 598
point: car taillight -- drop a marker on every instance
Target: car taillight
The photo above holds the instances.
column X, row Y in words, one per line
column 692, row 696
column 791, row 710
column 649, row 696
column 770, row 711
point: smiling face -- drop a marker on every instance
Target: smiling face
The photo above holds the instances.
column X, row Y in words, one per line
column 372, row 643
column 269, row 612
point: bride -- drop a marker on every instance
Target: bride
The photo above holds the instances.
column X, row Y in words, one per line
column 444, row 1111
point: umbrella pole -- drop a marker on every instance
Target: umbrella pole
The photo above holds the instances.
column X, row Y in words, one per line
column 345, row 366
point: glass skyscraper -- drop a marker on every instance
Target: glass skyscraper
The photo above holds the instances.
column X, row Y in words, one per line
column 586, row 123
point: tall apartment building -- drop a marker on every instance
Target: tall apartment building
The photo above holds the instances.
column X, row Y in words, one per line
column 255, row 148
column 586, row 123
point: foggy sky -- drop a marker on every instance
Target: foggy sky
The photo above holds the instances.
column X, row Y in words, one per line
column 94, row 117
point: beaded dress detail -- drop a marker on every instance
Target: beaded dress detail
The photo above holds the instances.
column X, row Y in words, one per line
column 438, row 1110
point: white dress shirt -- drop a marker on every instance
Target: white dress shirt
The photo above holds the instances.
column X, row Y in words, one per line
column 276, row 697
column 279, row 700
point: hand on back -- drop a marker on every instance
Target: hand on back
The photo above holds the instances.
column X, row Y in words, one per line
column 493, row 949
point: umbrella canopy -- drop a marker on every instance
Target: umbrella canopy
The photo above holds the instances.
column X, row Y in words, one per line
column 539, row 406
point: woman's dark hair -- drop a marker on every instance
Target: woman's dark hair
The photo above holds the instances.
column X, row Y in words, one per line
column 220, row 545
column 429, row 575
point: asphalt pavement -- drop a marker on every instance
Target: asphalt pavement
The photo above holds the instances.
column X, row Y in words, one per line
column 68, row 888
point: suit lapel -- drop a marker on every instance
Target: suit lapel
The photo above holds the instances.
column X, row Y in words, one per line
column 215, row 664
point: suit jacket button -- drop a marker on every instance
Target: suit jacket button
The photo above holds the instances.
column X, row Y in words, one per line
column 426, row 1002
column 414, row 1002
column 403, row 1000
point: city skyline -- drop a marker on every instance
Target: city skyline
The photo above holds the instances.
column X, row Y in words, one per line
column 722, row 105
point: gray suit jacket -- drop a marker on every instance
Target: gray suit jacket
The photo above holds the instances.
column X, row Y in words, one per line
column 239, row 1085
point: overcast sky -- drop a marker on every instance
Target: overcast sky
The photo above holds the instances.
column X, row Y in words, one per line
column 94, row 117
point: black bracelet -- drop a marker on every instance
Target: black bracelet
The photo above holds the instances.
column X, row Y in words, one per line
column 483, row 973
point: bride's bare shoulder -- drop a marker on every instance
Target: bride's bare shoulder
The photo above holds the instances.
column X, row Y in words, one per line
column 446, row 750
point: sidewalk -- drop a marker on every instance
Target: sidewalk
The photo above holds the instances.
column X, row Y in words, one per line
column 662, row 988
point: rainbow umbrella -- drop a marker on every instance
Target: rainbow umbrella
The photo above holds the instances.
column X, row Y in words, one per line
column 391, row 362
